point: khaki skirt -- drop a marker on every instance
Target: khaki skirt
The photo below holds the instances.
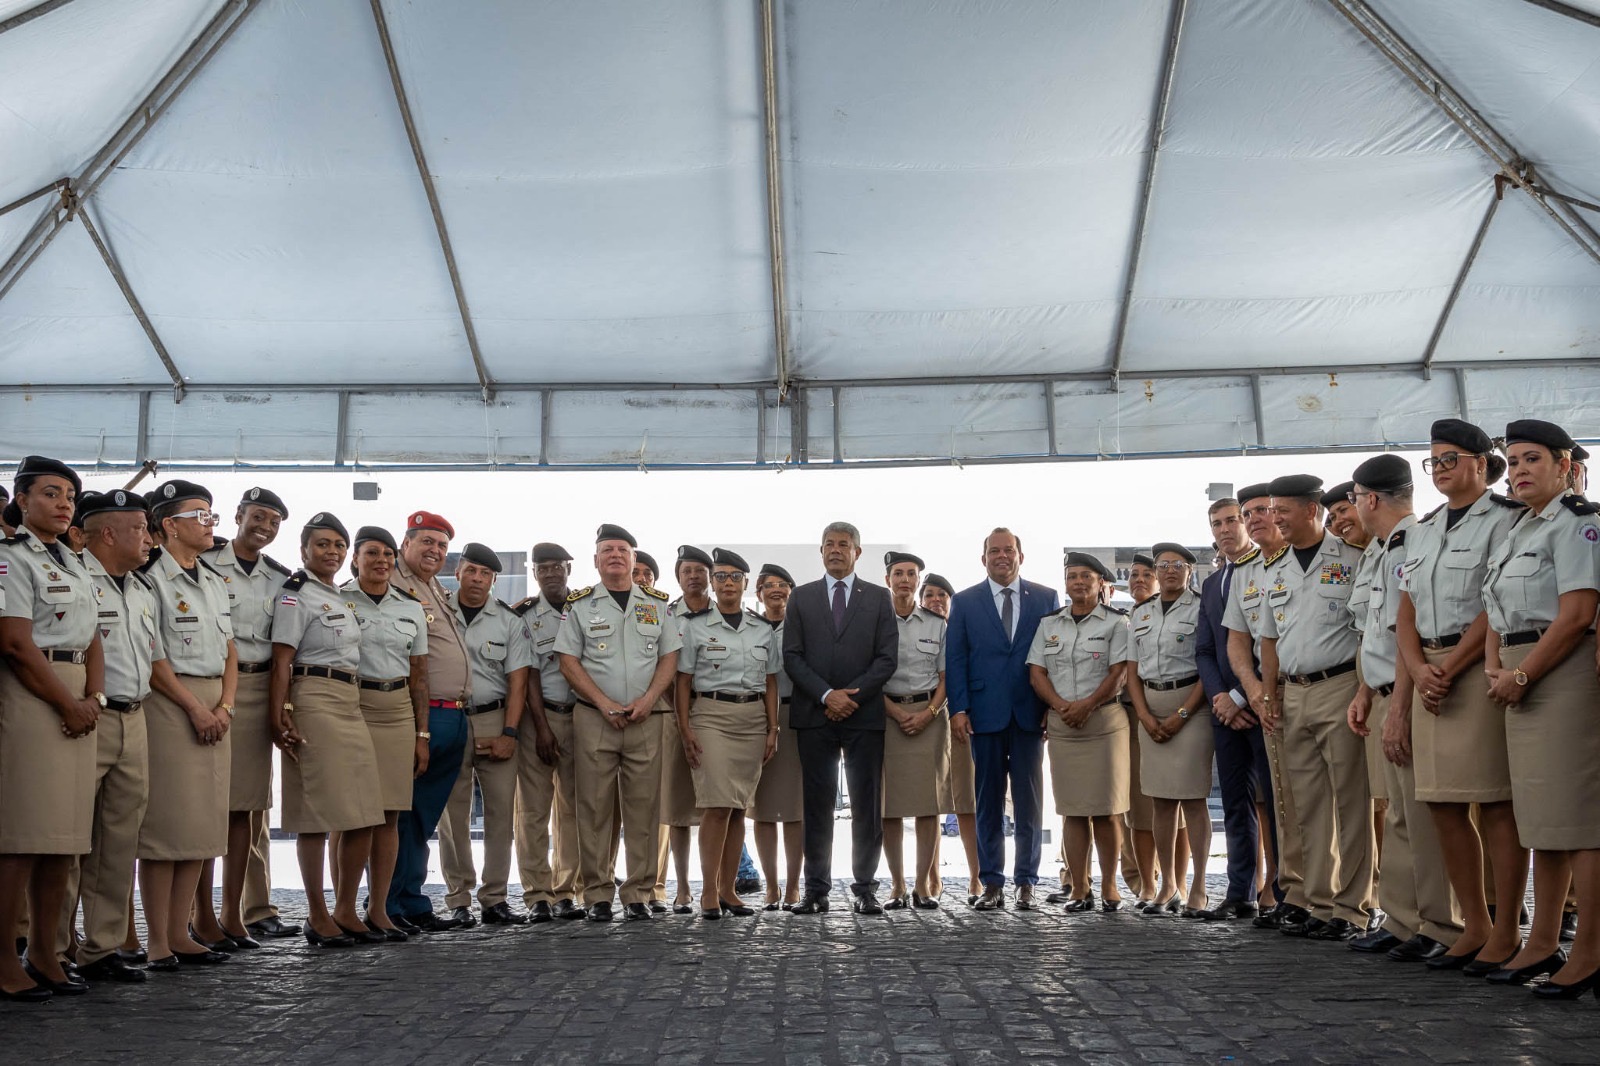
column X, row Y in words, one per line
column 733, row 737
column 187, row 817
column 1553, row 748
column 1179, row 769
column 250, row 779
column 392, row 724
column 1141, row 812
column 916, row 770
column 963, row 778
column 334, row 785
column 1377, row 783
column 778, row 794
column 46, row 777
column 1089, row 766
column 678, row 806
column 1460, row 753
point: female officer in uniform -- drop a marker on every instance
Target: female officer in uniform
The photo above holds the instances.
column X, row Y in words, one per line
column 727, row 706
column 1175, row 750
column 778, row 796
column 1076, row 666
column 1458, row 735
column 936, row 594
column 1541, row 592
column 916, row 739
column 330, row 775
column 393, row 687
column 52, row 681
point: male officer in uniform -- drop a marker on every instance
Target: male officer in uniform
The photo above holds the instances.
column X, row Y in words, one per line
column 1308, row 633
column 117, row 543
column 500, row 649
column 422, row 555
column 619, row 652
column 545, row 798
column 253, row 579
column 645, row 570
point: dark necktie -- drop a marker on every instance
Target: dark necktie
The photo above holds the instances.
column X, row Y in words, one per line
column 1005, row 613
column 1227, row 582
column 838, row 605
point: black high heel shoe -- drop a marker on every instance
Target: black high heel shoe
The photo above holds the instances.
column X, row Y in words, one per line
column 1080, row 906
column 737, row 910
column 317, row 940
column 392, row 936
column 70, row 987
column 1523, row 974
column 712, row 915
column 1575, row 990
column 360, row 936
column 34, row 994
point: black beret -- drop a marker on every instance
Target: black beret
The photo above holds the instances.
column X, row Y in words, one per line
column 939, row 583
column 33, row 466
column 1300, row 486
column 1461, row 434
column 1340, row 493
column 106, row 503
column 1091, row 561
column 1254, row 492
column 774, row 570
column 1533, row 431
column 891, row 558
column 648, row 560
column 724, row 557
column 366, row 533
column 1141, row 559
column 688, row 553
column 546, row 552
column 324, row 520
column 179, row 489
column 611, row 532
column 1384, row 473
column 260, row 497
column 1580, row 454
column 1173, row 547
column 480, row 555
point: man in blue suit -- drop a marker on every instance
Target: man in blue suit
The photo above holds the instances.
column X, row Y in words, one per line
column 986, row 674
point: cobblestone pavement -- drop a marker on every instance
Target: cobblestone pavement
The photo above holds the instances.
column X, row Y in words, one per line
column 952, row 986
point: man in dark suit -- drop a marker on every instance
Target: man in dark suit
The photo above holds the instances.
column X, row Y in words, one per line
column 840, row 646
column 986, row 674
column 1242, row 769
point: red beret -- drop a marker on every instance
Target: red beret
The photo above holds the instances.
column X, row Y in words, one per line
column 429, row 520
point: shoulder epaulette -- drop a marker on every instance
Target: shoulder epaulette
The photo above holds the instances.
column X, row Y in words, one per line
column 578, row 594
column 1506, row 501
column 1275, row 556
column 1114, row 609
column 1354, row 547
column 1578, row 505
column 502, row 603
column 217, row 543
column 203, row 561
column 1052, row 614
column 18, row 537
column 1396, row 539
column 1249, row 556
column 143, row 580
column 274, row 564
column 651, row 590
column 149, row 564
column 410, row 596
column 524, row 606
column 1433, row 512
column 298, row 579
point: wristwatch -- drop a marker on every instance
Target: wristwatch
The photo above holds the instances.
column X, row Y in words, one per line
column 100, row 698
column 509, row 731
column 423, row 734
column 1183, row 714
column 1516, row 675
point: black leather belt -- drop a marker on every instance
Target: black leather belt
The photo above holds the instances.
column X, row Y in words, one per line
column 1384, row 690
column 1440, row 643
column 323, row 671
column 1529, row 636
column 60, row 655
column 125, row 706
column 729, row 697
column 255, row 668
column 915, row 697
column 1168, row 686
column 485, row 708
column 384, row 686
column 560, row 708
column 217, row 677
column 1320, row 675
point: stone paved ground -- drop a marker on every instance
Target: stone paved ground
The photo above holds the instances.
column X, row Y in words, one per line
column 947, row 987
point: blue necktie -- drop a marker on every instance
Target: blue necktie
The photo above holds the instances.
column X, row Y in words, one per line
column 838, row 605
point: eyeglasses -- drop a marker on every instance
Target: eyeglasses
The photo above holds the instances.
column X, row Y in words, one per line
column 1355, row 497
column 1168, row 567
column 1447, row 461
column 727, row 575
column 205, row 518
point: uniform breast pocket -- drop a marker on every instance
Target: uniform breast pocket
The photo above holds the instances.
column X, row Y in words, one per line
column 650, row 633
column 494, row 650
column 1180, row 635
column 1462, row 574
column 601, row 641
column 760, row 653
column 928, row 646
column 339, row 620
column 1332, row 605
column 715, row 653
column 1519, row 582
column 407, row 628
column 55, row 592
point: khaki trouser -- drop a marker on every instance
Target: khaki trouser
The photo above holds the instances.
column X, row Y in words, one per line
column 104, row 877
column 1415, row 893
column 617, row 767
column 1326, row 764
column 545, row 810
column 498, row 781
column 1290, row 845
column 255, row 902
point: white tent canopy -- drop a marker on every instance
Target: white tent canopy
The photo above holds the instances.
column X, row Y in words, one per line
column 537, row 233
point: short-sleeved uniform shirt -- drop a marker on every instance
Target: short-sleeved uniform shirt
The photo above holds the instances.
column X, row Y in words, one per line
column 1546, row 553
column 449, row 673
column 1379, row 649
column 311, row 617
column 1308, row 608
column 1163, row 637
column 785, row 686
column 618, row 645
column 499, row 643
column 252, row 594
column 920, row 659
column 130, row 637
column 1077, row 655
column 1446, row 564
column 193, row 614
column 544, row 624
column 393, row 630
column 724, row 659
column 1247, row 606
column 50, row 587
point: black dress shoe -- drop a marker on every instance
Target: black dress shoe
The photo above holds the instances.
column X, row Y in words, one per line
column 972, row 901
column 226, row 945
column 69, row 987
column 429, row 922
column 390, row 936
column 993, row 899
column 502, row 914
column 1523, row 974
column 1303, row 928
column 737, row 909
column 463, row 917
column 1079, row 906
column 112, row 968
column 164, row 965
column 273, row 928
column 1110, row 906
column 362, row 935
column 770, row 907
column 924, row 903
column 1230, row 909
column 747, row 884
column 541, row 913
column 1376, row 943
column 202, row 958
column 1575, row 990
column 1271, row 918
column 567, row 910
column 896, row 903
column 1418, row 949
column 404, row 924
column 600, row 912
column 1337, row 930
column 1569, row 928
column 317, row 940
column 635, row 912
column 1063, row 896
column 658, row 907
column 34, row 994
column 244, row 942
column 867, row 903
column 140, row 956
column 811, row 903
column 682, row 908
column 1481, row 967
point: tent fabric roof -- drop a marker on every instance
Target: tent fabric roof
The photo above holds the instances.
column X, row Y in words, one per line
column 999, row 229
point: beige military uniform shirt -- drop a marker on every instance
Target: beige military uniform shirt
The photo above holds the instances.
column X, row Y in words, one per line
column 1446, row 564
column 1247, row 605
column 724, row 659
column 618, row 646
column 129, row 636
column 252, row 595
column 50, row 589
column 1308, row 608
column 1547, row 553
column 1163, row 638
column 1379, row 650
column 449, row 672
column 1077, row 655
column 920, row 659
column 193, row 615
column 499, row 643
column 544, row 625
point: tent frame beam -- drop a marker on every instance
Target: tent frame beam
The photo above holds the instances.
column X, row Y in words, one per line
column 1566, row 9
column 1457, row 286
column 1507, row 159
column 1158, row 127
column 78, row 208
column 777, row 264
column 22, row 18
column 485, row 382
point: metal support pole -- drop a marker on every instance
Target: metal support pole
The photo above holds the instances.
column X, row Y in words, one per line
column 780, row 294
column 546, row 405
column 128, row 294
column 1050, row 414
column 341, row 429
column 838, row 452
column 484, row 381
column 141, row 443
column 22, row 201
column 761, row 427
column 799, row 431
column 36, row 11
column 1456, row 287
column 1461, row 394
column 1260, row 411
